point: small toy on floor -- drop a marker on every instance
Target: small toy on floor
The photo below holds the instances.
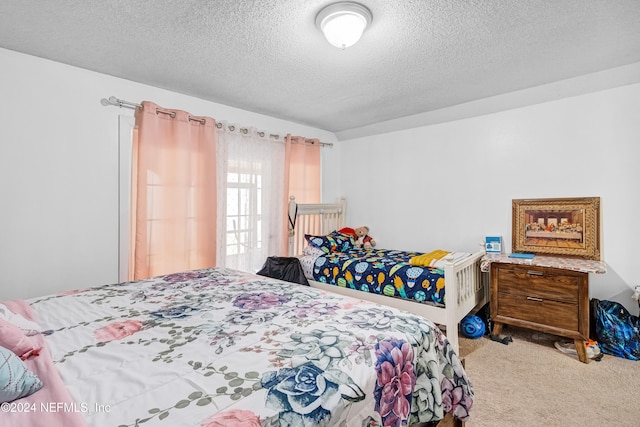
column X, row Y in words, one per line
column 593, row 351
column 472, row 326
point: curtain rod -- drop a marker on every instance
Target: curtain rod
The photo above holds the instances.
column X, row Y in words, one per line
column 132, row 105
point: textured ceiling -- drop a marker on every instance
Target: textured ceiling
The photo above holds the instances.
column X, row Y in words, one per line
column 266, row 56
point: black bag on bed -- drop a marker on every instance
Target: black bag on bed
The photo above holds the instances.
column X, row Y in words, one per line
column 284, row 268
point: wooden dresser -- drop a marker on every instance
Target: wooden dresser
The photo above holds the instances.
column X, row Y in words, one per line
column 549, row 297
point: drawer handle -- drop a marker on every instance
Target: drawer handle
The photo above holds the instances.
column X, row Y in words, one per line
column 535, row 299
column 535, row 273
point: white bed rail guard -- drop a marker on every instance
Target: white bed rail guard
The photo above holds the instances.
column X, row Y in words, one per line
column 315, row 219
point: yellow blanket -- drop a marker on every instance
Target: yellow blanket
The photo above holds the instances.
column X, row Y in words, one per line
column 428, row 259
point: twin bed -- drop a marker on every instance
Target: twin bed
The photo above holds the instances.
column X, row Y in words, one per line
column 466, row 287
column 219, row 347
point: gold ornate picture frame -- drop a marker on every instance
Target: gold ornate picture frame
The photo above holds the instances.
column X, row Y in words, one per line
column 564, row 227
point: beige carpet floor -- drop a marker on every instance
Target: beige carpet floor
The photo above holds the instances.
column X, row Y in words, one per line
column 530, row 383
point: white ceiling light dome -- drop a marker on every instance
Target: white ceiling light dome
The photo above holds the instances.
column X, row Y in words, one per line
column 343, row 23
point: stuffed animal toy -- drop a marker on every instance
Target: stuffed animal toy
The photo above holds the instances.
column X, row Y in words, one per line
column 360, row 235
column 363, row 238
column 349, row 232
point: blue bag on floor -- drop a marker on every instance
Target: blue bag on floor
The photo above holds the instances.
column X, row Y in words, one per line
column 617, row 331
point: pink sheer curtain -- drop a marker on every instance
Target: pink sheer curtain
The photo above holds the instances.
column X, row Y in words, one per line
column 173, row 196
column 302, row 173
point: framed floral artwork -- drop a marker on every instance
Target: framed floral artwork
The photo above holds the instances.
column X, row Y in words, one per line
column 564, row 227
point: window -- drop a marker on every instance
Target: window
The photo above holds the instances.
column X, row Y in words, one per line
column 251, row 200
column 244, row 213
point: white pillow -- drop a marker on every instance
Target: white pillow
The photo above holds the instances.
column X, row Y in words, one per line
column 313, row 251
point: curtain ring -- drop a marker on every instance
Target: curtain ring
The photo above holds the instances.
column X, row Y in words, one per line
column 171, row 114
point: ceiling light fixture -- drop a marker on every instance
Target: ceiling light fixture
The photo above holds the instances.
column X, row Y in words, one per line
column 343, row 23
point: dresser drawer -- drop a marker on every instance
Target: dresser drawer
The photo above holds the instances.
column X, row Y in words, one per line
column 543, row 298
column 539, row 283
column 551, row 313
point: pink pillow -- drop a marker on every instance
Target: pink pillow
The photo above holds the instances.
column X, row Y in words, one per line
column 12, row 338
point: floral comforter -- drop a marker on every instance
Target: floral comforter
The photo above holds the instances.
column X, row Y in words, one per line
column 218, row 347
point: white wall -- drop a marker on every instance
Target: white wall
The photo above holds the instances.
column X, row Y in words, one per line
column 59, row 192
column 448, row 185
column 59, row 170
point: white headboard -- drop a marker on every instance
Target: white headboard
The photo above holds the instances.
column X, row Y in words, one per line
column 313, row 218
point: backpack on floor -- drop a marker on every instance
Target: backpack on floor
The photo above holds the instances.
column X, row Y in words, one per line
column 617, row 331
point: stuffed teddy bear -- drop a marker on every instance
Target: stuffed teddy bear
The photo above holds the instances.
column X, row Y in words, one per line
column 363, row 239
column 360, row 235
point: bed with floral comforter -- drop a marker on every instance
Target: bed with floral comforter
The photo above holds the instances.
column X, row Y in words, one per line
column 218, row 347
